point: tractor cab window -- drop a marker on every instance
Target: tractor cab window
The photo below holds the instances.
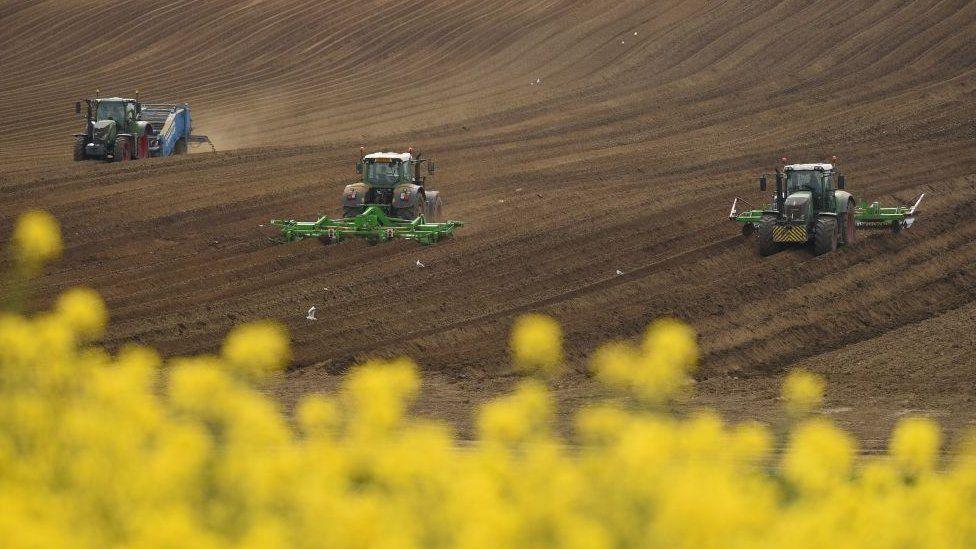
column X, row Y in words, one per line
column 800, row 180
column 110, row 110
column 382, row 171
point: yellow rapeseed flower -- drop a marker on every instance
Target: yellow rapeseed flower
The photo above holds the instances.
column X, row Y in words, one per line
column 751, row 441
column 657, row 371
column 819, row 456
column 36, row 239
column 378, row 393
column 317, row 415
column 524, row 415
column 803, row 392
column 673, row 342
column 915, row 445
column 84, row 311
column 103, row 451
column 537, row 344
column 257, row 348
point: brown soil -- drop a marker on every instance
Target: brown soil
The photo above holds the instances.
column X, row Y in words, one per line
column 625, row 155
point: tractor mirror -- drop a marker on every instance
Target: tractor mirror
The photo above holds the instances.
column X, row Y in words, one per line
column 359, row 167
column 77, row 107
column 762, row 183
column 431, row 167
column 840, row 182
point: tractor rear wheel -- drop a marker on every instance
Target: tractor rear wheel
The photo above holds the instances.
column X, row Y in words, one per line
column 848, row 226
column 79, row 150
column 434, row 210
column 766, row 245
column 825, row 236
column 351, row 212
column 419, row 208
column 180, row 147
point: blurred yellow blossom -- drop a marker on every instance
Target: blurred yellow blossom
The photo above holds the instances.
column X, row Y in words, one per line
column 819, row 457
column 657, row 371
column 915, row 444
column 537, row 344
column 36, row 239
column 803, row 392
column 673, row 342
column 379, row 392
column 524, row 415
column 84, row 311
column 257, row 348
column 103, row 450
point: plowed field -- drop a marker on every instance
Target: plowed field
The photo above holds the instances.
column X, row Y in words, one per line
column 575, row 138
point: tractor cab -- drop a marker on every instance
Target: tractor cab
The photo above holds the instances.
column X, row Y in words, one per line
column 392, row 182
column 388, row 169
column 121, row 111
column 815, row 179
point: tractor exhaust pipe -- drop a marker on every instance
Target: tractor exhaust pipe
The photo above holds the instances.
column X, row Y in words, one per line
column 779, row 190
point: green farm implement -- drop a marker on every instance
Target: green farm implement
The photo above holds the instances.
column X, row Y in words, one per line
column 372, row 224
column 811, row 206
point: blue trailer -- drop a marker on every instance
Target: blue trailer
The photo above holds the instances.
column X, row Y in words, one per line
column 119, row 129
column 174, row 129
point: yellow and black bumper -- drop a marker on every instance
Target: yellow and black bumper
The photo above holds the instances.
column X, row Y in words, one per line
column 790, row 233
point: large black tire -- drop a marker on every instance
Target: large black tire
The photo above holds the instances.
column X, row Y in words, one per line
column 79, row 149
column 121, row 152
column 419, row 208
column 765, row 241
column 180, row 147
column 825, row 236
column 351, row 212
column 848, row 227
column 434, row 210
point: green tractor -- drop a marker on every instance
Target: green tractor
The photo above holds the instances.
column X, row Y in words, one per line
column 113, row 131
column 392, row 181
column 391, row 201
column 811, row 206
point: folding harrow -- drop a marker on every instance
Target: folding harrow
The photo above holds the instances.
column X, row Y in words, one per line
column 874, row 216
column 373, row 225
column 866, row 216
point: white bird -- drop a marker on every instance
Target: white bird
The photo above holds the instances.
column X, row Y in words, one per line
column 419, row 264
column 619, row 272
column 311, row 313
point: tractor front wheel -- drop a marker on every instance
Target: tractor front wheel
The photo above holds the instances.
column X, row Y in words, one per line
column 79, row 150
column 351, row 212
column 766, row 245
column 180, row 147
column 825, row 236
